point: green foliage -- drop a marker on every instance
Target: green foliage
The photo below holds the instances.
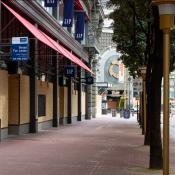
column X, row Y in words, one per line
column 131, row 31
column 172, row 54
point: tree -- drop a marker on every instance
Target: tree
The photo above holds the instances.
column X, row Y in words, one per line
column 139, row 39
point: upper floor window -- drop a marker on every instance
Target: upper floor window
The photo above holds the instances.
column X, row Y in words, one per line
column 61, row 12
column 171, row 82
column 48, row 9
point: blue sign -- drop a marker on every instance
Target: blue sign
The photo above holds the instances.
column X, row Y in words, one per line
column 50, row 3
column 68, row 13
column 20, row 48
column 79, row 33
column 90, row 80
column 69, row 71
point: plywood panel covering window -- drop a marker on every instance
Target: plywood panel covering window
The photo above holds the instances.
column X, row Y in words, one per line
column 41, row 105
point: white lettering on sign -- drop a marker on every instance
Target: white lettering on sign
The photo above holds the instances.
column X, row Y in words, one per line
column 50, row 1
column 67, row 21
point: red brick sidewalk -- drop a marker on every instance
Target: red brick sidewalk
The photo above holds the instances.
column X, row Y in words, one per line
column 103, row 146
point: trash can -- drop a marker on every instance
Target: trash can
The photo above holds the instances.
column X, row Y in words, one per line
column 121, row 113
column 126, row 114
column 113, row 112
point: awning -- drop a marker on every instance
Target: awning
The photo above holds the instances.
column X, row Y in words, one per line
column 79, row 6
column 44, row 38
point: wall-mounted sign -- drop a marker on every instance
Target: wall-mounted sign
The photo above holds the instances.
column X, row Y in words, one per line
column 102, row 84
column 79, row 31
column 114, row 69
column 90, row 80
column 20, row 48
column 68, row 13
column 50, row 3
column 69, row 71
column 121, row 72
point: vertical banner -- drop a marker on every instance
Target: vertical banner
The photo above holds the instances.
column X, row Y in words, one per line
column 68, row 13
column 79, row 31
column 121, row 72
column 50, row 3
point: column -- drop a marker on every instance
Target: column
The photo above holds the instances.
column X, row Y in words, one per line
column 0, row 54
column 79, row 94
column 33, row 87
column 55, row 91
column 88, row 115
column 94, row 92
column 69, row 119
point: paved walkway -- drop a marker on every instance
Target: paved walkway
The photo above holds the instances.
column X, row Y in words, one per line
column 102, row 146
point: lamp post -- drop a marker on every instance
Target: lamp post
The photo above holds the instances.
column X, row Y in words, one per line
column 166, row 12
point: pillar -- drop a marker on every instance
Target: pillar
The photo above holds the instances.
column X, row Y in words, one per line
column 0, row 54
column 55, row 91
column 33, row 87
column 94, row 92
column 69, row 118
column 79, row 95
column 88, row 115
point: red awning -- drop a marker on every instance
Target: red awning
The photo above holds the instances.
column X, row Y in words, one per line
column 79, row 7
column 44, row 38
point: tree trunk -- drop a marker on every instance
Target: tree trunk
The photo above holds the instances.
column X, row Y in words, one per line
column 148, row 104
column 148, row 79
column 155, row 96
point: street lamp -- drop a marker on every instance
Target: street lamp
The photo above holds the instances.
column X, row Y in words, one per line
column 166, row 12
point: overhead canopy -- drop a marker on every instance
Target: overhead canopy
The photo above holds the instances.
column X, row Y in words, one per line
column 79, row 6
column 44, row 38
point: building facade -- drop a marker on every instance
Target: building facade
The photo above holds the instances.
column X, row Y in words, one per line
column 110, row 68
column 45, row 79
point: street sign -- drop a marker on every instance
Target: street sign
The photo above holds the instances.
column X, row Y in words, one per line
column 20, row 48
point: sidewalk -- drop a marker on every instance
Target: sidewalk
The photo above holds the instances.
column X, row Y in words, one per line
column 102, row 146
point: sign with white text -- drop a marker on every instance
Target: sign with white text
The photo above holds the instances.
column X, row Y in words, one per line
column 50, row 3
column 69, row 71
column 20, row 48
column 79, row 32
column 68, row 13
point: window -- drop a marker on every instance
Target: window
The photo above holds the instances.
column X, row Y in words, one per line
column 171, row 92
column 61, row 12
column 41, row 105
column 48, row 9
column 171, row 82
